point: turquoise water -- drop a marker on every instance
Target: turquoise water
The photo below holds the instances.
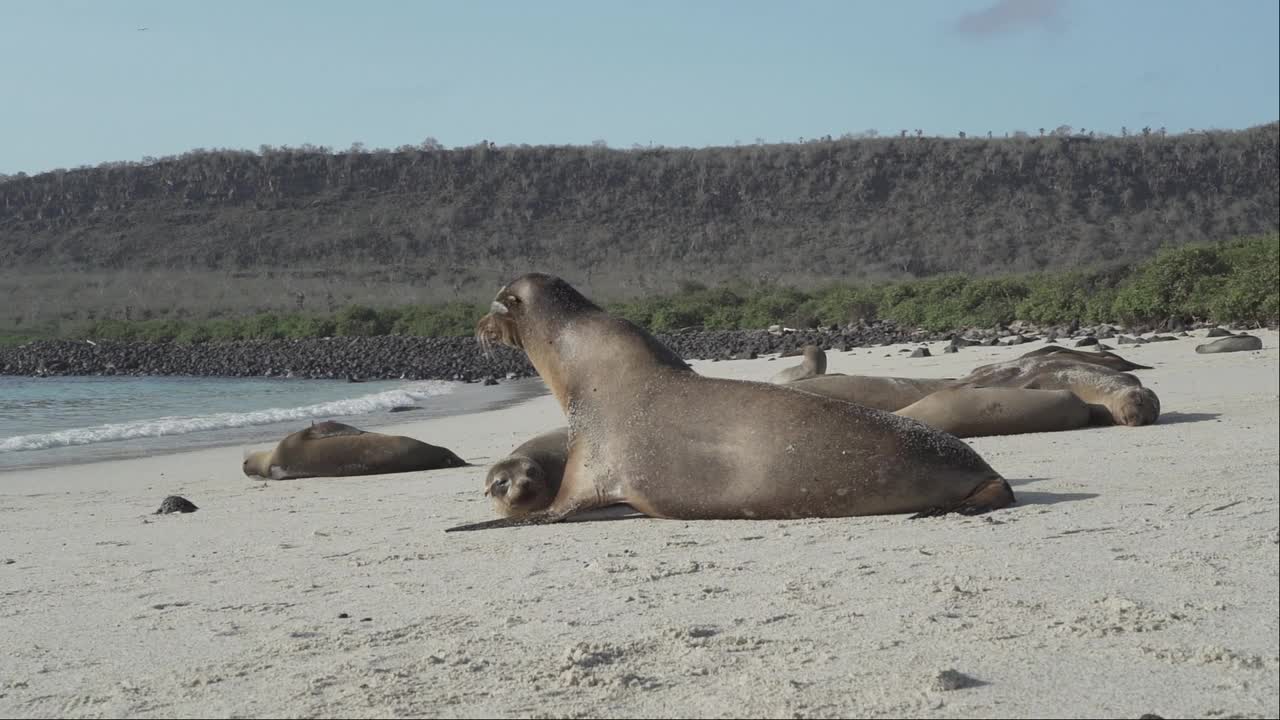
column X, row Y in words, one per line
column 51, row 421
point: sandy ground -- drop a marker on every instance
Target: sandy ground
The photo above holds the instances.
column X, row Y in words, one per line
column 1137, row 574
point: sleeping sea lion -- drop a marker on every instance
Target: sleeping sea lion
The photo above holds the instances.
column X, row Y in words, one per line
column 332, row 449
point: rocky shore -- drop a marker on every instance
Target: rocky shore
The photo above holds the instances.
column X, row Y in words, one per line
column 390, row 356
column 461, row 359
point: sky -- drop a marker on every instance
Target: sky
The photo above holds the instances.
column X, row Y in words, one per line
column 90, row 81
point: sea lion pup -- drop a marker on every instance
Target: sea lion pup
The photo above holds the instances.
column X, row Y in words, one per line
column 880, row 393
column 1235, row 343
column 645, row 430
column 813, row 365
column 979, row 412
column 1114, row 397
column 1103, row 358
column 331, row 449
column 529, row 478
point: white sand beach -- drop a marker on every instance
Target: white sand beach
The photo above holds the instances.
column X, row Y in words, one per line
column 1138, row 573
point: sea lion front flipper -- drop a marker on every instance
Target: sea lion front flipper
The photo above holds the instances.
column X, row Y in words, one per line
column 328, row 429
column 544, row 517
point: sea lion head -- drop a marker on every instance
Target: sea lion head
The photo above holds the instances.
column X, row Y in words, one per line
column 255, row 464
column 527, row 307
column 1138, row 406
column 815, row 360
column 450, row 460
column 518, row 486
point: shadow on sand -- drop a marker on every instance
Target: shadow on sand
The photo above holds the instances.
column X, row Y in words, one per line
column 1029, row 497
column 1173, row 418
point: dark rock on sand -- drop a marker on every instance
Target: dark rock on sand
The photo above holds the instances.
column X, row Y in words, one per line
column 176, row 504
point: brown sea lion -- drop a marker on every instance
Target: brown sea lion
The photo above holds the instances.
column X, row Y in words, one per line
column 979, row 412
column 647, row 431
column 813, row 365
column 1103, row 358
column 529, row 478
column 332, row 449
column 881, row 393
column 1235, row 343
column 1114, row 397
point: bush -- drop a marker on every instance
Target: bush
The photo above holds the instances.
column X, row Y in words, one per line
column 361, row 321
column 456, row 319
column 1237, row 281
column 1179, row 282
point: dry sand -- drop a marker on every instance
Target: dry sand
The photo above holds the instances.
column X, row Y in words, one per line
column 1137, row 574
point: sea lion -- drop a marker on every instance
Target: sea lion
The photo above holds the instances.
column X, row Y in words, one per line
column 1114, row 397
column 1103, row 358
column 1235, row 343
column 331, row 449
column 529, row 478
column 881, row 393
column 647, row 431
column 979, row 412
column 814, row 364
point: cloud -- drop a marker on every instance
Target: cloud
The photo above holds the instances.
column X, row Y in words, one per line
column 1009, row 15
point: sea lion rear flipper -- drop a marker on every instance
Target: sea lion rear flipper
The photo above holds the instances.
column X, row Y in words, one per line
column 990, row 495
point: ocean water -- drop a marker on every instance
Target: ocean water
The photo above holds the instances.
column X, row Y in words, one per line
column 53, row 421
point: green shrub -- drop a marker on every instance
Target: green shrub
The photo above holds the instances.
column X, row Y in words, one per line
column 454, row 319
column 361, row 321
column 1237, row 281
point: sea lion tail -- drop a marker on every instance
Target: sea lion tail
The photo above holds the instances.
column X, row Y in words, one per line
column 992, row 494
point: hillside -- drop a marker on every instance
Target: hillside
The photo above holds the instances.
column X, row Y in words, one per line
column 228, row 232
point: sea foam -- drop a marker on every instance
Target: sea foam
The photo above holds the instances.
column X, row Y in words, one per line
column 175, row 425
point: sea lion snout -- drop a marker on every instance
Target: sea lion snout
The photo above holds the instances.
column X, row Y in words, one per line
column 1141, row 406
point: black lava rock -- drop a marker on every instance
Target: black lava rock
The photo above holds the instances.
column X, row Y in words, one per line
column 176, row 504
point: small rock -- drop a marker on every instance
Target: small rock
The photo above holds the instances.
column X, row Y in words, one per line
column 366, row 619
column 950, row 349
column 1217, row 332
column 490, row 381
column 9, row 561
column 1150, row 716
column 948, row 680
column 1087, row 341
column 343, row 616
column 176, row 503
column 921, row 352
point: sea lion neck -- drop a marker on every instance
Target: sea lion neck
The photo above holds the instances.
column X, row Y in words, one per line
column 594, row 350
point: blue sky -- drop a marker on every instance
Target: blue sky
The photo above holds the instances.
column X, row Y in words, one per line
column 83, row 83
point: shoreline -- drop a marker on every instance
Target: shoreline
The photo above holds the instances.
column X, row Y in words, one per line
column 1136, row 574
column 464, row 401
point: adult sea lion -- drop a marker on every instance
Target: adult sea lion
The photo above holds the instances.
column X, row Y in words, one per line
column 332, row 449
column 881, row 393
column 645, row 430
column 1235, row 343
column 1103, row 358
column 814, row 364
column 1114, row 397
column 979, row 412
column 529, row 478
